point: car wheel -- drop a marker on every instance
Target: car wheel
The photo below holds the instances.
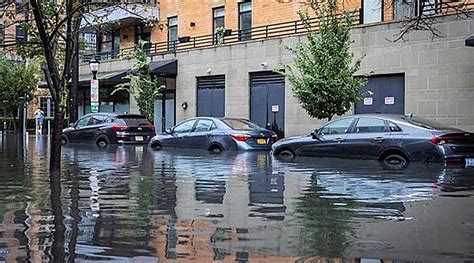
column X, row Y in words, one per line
column 395, row 160
column 215, row 149
column 64, row 140
column 102, row 141
column 286, row 154
column 156, row 146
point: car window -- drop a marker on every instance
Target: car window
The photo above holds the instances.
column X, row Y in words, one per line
column 236, row 124
column 82, row 122
column 337, row 127
column 427, row 124
column 370, row 125
column 203, row 125
column 96, row 119
column 184, row 127
column 393, row 127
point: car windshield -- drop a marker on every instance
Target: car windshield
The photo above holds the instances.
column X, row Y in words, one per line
column 133, row 121
column 241, row 124
column 427, row 124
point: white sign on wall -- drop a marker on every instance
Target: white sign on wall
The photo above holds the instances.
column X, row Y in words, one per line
column 368, row 101
column 389, row 100
column 275, row 108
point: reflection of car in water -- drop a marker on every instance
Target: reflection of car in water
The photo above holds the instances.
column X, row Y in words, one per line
column 393, row 139
column 215, row 135
column 374, row 182
column 109, row 128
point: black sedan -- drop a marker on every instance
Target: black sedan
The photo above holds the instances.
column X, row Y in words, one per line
column 390, row 138
column 215, row 135
column 106, row 128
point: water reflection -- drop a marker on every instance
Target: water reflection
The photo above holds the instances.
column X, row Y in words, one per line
column 126, row 203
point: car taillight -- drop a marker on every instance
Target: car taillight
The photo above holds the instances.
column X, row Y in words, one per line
column 240, row 137
column 116, row 128
column 151, row 127
column 275, row 137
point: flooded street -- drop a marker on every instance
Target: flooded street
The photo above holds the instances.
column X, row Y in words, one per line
column 130, row 203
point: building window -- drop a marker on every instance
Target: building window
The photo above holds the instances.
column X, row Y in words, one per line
column 245, row 20
column 372, row 11
column 144, row 34
column 89, row 41
column 110, row 43
column 426, row 7
column 20, row 35
column 47, row 106
column 172, row 32
column 2, row 33
column 217, row 20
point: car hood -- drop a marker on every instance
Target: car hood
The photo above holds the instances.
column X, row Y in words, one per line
column 68, row 129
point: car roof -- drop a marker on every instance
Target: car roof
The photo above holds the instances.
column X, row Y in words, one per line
column 395, row 117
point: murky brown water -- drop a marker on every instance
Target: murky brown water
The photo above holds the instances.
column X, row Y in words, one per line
column 127, row 204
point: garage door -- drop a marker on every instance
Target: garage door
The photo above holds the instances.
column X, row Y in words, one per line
column 267, row 101
column 383, row 94
column 211, row 96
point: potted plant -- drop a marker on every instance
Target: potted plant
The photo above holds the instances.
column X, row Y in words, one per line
column 220, row 33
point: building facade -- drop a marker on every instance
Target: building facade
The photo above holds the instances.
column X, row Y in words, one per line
column 216, row 58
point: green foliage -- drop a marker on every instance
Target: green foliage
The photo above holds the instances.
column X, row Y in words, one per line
column 141, row 83
column 322, row 74
column 220, row 32
column 18, row 81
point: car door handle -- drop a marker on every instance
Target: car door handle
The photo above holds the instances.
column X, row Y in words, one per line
column 379, row 139
column 338, row 140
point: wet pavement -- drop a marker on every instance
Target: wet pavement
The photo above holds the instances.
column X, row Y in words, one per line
column 131, row 204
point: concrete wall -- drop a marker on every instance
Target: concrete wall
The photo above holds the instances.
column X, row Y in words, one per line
column 439, row 73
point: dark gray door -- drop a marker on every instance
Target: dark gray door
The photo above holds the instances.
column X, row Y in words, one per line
column 267, row 93
column 388, row 95
column 211, row 96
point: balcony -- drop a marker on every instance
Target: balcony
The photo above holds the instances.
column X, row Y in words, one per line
column 258, row 33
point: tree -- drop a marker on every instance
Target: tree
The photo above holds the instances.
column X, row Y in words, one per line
column 322, row 75
column 18, row 81
column 141, row 83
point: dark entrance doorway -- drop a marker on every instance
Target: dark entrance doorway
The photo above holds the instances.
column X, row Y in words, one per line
column 267, row 101
column 383, row 94
column 211, row 96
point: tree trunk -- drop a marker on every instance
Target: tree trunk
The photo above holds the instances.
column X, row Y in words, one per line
column 55, row 184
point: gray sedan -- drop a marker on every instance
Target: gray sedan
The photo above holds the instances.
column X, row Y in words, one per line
column 215, row 135
column 393, row 139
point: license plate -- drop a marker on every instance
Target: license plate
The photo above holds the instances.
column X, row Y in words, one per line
column 261, row 141
column 139, row 138
column 470, row 162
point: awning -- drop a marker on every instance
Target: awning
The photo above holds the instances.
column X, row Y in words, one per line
column 163, row 68
column 470, row 41
column 159, row 68
column 126, row 14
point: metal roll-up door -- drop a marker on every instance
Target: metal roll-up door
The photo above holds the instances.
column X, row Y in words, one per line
column 211, row 96
column 267, row 101
column 383, row 94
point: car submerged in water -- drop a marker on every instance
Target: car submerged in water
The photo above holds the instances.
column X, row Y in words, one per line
column 215, row 135
column 109, row 128
column 394, row 139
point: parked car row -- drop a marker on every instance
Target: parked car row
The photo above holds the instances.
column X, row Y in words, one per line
column 392, row 139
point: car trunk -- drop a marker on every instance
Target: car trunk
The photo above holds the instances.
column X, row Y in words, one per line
column 461, row 143
column 260, row 137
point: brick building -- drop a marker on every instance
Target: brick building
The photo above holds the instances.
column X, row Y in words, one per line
column 232, row 76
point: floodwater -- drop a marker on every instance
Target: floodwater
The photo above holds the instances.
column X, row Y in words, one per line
column 131, row 204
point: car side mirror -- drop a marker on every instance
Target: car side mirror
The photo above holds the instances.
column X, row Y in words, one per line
column 314, row 134
column 72, row 125
column 169, row 131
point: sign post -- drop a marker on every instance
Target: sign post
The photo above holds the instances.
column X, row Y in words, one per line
column 94, row 95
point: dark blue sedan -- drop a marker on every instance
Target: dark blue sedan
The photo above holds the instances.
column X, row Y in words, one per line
column 215, row 135
column 392, row 139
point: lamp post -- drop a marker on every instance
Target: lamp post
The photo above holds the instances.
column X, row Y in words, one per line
column 94, row 67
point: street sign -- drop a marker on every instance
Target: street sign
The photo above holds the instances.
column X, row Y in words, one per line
column 94, row 95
